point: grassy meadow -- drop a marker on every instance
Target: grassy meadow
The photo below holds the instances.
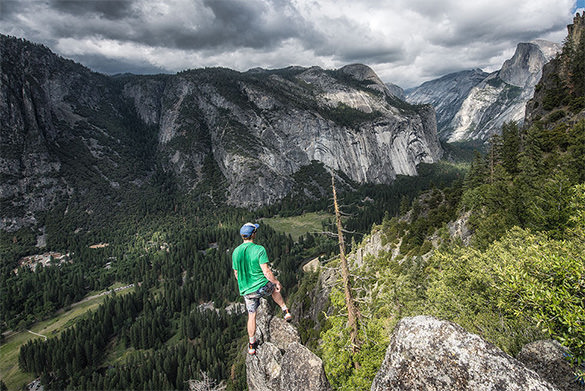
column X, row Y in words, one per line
column 299, row 225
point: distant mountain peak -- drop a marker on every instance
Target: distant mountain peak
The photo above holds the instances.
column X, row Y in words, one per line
column 473, row 104
column 524, row 69
column 361, row 72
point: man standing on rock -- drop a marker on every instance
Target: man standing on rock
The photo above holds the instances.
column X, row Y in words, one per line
column 255, row 279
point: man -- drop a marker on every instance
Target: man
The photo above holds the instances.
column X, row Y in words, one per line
column 255, row 279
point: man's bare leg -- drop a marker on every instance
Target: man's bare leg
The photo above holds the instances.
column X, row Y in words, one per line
column 251, row 325
column 277, row 297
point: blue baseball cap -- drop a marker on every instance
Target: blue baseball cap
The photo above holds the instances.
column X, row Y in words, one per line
column 248, row 229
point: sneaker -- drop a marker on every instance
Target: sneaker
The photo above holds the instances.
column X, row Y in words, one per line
column 287, row 315
column 252, row 347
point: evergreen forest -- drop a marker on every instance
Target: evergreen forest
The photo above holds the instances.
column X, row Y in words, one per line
column 180, row 320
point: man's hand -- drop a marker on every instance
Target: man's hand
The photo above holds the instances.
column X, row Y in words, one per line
column 268, row 274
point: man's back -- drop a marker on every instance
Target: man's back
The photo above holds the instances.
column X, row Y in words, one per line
column 246, row 260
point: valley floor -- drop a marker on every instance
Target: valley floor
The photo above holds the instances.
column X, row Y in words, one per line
column 10, row 373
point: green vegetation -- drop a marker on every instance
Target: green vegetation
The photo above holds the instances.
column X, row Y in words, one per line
column 365, row 205
column 522, row 276
column 182, row 259
column 347, row 116
column 564, row 89
column 520, row 280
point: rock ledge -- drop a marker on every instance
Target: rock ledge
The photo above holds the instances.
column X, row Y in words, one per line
column 429, row 354
column 281, row 362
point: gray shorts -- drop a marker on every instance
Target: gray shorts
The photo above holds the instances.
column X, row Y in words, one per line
column 253, row 299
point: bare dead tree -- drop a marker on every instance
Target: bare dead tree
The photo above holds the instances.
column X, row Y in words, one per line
column 352, row 314
column 205, row 384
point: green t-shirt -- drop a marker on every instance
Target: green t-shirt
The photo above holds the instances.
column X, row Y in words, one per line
column 246, row 260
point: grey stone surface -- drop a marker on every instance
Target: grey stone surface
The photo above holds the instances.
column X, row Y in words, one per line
column 263, row 370
column 302, row 370
column 549, row 359
column 428, row 354
column 282, row 334
column 281, row 362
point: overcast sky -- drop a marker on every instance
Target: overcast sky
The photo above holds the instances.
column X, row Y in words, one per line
column 405, row 41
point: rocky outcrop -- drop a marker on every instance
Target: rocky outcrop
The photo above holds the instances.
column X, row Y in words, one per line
column 428, row 354
column 460, row 228
column 281, row 362
column 473, row 105
column 549, row 359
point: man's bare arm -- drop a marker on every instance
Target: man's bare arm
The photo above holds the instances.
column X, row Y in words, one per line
column 268, row 274
column 236, row 273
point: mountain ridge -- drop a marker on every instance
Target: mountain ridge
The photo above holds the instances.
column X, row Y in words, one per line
column 251, row 131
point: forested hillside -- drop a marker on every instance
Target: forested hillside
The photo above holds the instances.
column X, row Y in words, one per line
column 518, row 275
column 178, row 258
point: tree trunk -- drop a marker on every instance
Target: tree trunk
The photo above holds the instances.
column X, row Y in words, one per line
column 352, row 314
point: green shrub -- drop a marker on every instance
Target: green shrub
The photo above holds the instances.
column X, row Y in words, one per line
column 542, row 280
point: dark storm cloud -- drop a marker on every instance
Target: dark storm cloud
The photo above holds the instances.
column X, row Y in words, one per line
column 206, row 24
column 246, row 23
column 9, row 9
column 109, row 9
column 404, row 40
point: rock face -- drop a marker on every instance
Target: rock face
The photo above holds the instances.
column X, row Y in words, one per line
column 429, row 354
column 281, row 363
column 460, row 229
column 396, row 90
column 67, row 131
column 447, row 95
column 269, row 124
column 473, row 105
column 549, row 360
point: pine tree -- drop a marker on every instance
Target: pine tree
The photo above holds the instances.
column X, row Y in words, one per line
column 477, row 173
column 510, row 148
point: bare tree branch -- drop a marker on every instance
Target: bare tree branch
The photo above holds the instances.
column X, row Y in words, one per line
column 205, row 384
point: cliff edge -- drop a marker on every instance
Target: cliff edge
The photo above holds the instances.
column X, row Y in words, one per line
column 281, row 362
